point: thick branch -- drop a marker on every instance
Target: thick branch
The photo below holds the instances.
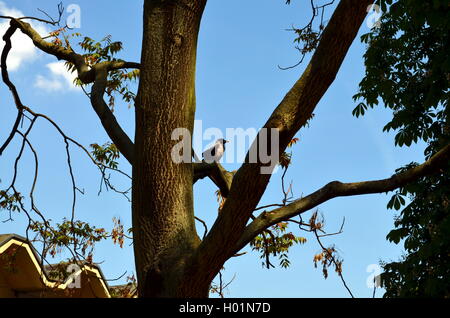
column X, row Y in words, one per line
column 216, row 172
column 85, row 74
column 107, row 118
column 5, row 77
column 338, row 189
column 117, row 65
column 293, row 112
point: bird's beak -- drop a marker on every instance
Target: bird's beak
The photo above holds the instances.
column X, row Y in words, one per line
column 225, row 141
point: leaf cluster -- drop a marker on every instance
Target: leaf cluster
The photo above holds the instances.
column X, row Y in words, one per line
column 69, row 233
column 97, row 52
column 408, row 71
column 327, row 258
column 107, row 154
column 10, row 202
column 276, row 242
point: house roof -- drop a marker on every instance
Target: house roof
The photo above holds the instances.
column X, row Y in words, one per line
column 5, row 237
column 7, row 240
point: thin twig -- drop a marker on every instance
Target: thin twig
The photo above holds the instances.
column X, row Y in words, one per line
column 204, row 225
column 334, row 262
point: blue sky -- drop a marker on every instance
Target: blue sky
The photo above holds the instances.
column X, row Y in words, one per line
column 238, row 85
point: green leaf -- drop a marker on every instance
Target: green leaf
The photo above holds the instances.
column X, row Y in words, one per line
column 359, row 110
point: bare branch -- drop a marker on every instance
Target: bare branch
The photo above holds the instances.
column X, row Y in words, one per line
column 338, row 189
column 6, row 49
column 51, row 20
column 307, row 35
column 269, row 206
column 204, row 225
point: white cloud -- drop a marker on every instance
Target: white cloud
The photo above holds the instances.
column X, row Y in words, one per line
column 59, row 79
column 49, row 85
column 23, row 49
column 11, row 12
column 60, row 69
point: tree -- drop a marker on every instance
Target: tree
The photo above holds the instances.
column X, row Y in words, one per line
column 171, row 259
column 407, row 68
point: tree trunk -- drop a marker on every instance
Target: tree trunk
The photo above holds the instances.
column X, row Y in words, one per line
column 162, row 205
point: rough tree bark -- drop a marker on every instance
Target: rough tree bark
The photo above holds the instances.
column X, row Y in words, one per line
column 163, row 216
